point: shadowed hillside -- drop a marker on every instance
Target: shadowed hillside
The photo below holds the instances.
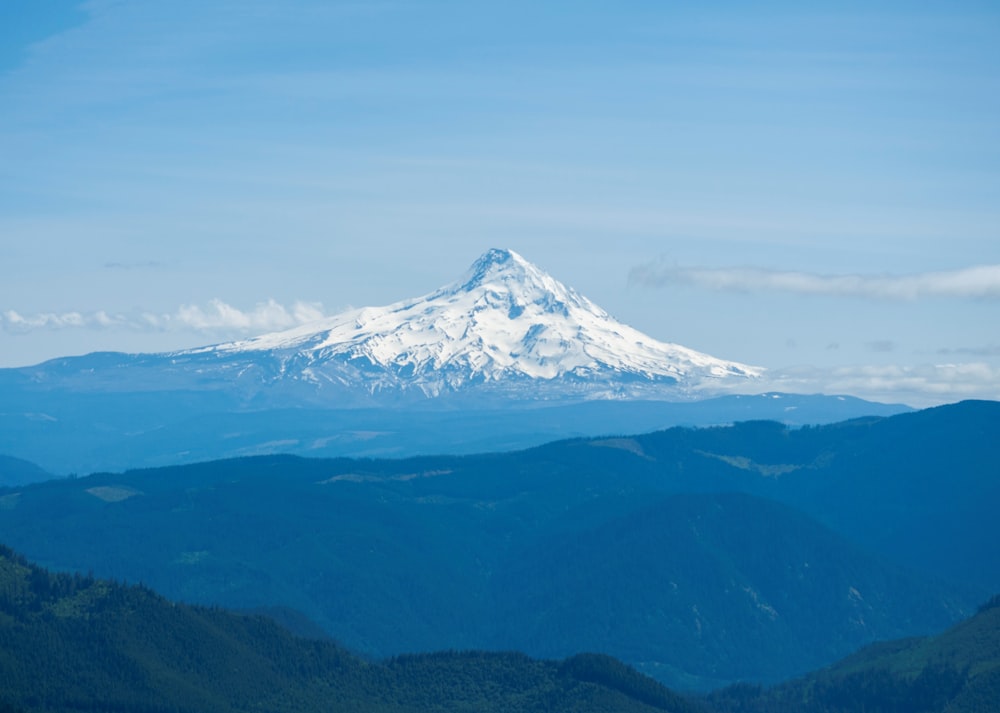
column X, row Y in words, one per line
column 955, row 672
column 77, row 643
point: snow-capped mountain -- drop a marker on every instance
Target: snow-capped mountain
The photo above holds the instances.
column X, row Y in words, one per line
column 506, row 331
column 506, row 357
column 506, row 328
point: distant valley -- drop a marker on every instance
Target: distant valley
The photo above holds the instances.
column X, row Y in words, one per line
column 82, row 433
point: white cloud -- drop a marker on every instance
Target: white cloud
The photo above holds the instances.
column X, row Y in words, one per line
column 15, row 322
column 217, row 317
column 919, row 385
column 980, row 281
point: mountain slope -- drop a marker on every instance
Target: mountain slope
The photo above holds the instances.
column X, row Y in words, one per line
column 17, row 471
column 699, row 589
column 72, row 643
column 919, row 488
column 957, row 671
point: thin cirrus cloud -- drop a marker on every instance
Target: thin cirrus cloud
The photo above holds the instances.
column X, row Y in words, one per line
column 977, row 282
column 216, row 317
column 990, row 350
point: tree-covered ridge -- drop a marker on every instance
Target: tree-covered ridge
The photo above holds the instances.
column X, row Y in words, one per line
column 955, row 672
column 75, row 643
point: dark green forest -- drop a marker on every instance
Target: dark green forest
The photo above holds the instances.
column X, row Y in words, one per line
column 76, row 643
column 957, row 671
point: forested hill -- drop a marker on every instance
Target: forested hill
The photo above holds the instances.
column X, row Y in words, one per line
column 955, row 672
column 75, row 643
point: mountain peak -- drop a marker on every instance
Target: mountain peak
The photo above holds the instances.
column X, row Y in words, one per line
column 499, row 265
column 497, row 257
column 507, row 326
column 504, row 276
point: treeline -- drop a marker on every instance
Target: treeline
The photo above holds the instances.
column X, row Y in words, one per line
column 870, row 691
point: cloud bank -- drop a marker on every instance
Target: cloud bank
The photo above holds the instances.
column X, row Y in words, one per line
column 980, row 282
column 217, row 317
column 919, row 385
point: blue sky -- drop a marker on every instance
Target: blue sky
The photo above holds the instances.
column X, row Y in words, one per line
column 809, row 187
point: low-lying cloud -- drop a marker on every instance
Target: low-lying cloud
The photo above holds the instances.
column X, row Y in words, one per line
column 979, row 282
column 265, row 316
column 217, row 317
column 918, row 385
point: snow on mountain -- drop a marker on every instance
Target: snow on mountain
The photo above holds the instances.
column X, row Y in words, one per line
column 506, row 328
